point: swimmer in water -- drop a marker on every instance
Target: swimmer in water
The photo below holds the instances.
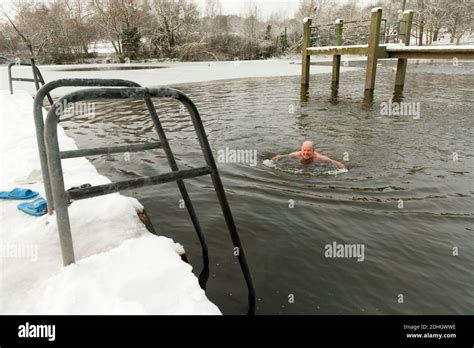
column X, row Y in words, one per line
column 307, row 155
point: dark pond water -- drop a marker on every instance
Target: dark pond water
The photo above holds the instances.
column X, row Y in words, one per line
column 407, row 198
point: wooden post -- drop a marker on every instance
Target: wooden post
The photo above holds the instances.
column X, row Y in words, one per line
column 305, row 57
column 405, row 33
column 336, row 60
column 374, row 38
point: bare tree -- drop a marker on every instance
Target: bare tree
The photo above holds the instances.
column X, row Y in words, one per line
column 460, row 19
column 321, row 11
column 62, row 30
column 419, row 19
column 114, row 17
column 83, row 30
column 307, row 8
column 174, row 23
column 251, row 31
column 213, row 9
column 25, row 24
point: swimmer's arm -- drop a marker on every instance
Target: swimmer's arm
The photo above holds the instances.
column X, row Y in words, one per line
column 329, row 160
column 293, row 154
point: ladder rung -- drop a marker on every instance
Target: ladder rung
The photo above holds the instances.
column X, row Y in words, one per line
column 22, row 79
column 105, row 189
column 109, row 150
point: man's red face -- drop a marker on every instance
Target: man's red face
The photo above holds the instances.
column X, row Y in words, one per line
column 307, row 151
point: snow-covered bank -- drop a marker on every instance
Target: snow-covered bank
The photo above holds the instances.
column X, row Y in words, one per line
column 121, row 268
column 171, row 73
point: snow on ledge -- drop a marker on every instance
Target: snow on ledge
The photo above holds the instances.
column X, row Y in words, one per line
column 450, row 48
column 142, row 276
column 121, row 268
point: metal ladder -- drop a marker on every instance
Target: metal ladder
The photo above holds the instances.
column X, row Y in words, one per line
column 37, row 77
column 51, row 156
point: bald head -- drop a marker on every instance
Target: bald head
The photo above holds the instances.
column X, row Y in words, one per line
column 307, row 150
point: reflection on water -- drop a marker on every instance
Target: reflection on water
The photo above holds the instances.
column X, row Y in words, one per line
column 368, row 101
column 405, row 197
column 398, row 94
column 304, row 93
column 334, row 92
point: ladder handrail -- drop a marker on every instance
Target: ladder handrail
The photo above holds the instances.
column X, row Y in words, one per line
column 37, row 77
column 39, row 122
column 60, row 196
column 39, row 125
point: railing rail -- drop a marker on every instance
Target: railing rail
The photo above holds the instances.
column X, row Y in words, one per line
column 353, row 33
column 37, row 77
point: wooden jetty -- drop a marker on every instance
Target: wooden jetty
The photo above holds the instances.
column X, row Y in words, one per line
column 375, row 51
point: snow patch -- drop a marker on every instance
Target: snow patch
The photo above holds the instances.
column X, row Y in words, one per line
column 156, row 282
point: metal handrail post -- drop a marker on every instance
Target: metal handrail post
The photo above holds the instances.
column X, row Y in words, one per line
column 37, row 77
column 219, row 188
column 10, row 81
column 180, row 183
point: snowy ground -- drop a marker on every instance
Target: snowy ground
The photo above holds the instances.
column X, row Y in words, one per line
column 172, row 73
column 121, row 268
